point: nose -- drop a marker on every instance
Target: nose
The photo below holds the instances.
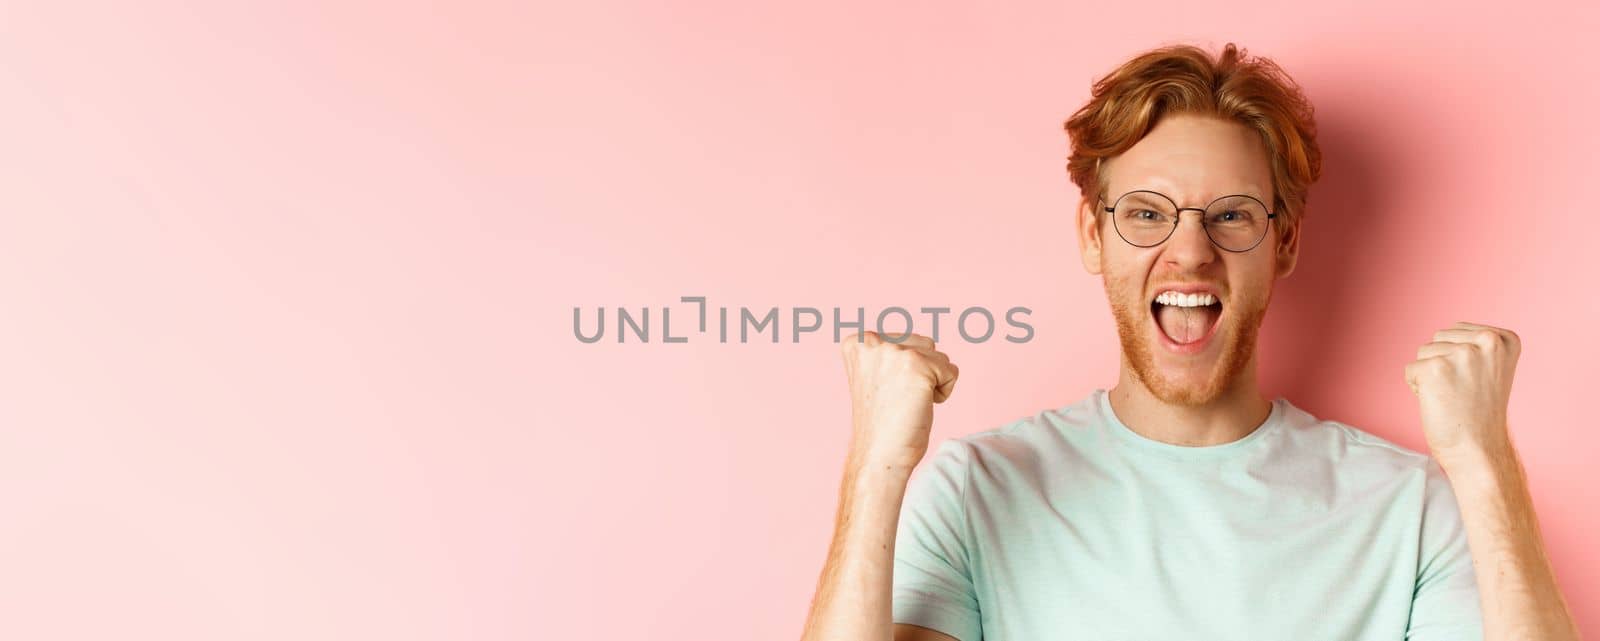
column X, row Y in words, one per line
column 1189, row 248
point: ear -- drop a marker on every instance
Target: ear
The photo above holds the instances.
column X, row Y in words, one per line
column 1288, row 248
column 1089, row 236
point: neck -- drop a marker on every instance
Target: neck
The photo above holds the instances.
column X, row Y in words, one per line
column 1232, row 415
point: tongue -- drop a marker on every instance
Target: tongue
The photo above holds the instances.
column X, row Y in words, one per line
column 1185, row 324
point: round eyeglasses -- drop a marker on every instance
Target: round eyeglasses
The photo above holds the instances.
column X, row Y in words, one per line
column 1146, row 218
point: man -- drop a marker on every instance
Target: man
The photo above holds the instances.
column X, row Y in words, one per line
column 1181, row 504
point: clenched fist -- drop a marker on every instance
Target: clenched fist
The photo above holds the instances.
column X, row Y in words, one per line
column 1463, row 383
column 893, row 387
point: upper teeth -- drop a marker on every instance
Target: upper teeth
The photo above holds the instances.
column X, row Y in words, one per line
column 1185, row 300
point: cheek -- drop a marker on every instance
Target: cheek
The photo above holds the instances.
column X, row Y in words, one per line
column 1126, row 267
column 1124, row 282
column 1251, row 280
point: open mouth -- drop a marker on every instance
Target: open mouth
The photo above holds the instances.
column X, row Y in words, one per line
column 1186, row 319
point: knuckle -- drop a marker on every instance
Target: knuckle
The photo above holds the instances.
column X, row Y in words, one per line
column 896, row 358
column 1506, row 340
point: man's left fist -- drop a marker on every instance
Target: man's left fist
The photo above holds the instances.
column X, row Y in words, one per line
column 1463, row 382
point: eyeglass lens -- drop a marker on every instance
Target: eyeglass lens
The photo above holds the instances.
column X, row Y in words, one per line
column 1146, row 219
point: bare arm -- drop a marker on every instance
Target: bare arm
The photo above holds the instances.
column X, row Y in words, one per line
column 1462, row 379
column 893, row 388
column 853, row 596
column 1516, row 584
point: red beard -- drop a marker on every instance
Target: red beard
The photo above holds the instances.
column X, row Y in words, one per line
column 1241, row 322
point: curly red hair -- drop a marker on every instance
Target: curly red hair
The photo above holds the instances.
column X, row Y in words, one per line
column 1254, row 91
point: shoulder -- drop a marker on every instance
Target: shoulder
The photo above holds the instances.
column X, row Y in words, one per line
column 1356, row 451
column 1024, row 445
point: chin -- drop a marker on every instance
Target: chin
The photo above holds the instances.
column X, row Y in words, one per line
column 1183, row 385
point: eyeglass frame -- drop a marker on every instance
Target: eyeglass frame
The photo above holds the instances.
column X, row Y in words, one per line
column 1178, row 215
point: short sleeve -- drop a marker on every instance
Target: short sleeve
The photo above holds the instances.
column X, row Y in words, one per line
column 933, row 585
column 1444, row 606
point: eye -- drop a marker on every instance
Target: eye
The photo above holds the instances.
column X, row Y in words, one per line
column 1145, row 214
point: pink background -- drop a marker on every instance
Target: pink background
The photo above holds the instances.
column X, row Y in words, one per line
column 287, row 347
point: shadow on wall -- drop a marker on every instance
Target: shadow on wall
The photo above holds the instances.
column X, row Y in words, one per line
column 1309, row 329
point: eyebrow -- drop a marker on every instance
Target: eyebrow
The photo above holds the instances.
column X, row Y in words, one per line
column 1143, row 197
column 1248, row 190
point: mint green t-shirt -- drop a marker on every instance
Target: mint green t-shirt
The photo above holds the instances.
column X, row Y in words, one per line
column 1067, row 525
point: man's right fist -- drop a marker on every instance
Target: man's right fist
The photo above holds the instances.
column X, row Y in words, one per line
column 893, row 387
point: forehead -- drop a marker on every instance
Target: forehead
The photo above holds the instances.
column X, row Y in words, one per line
column 1193, row 159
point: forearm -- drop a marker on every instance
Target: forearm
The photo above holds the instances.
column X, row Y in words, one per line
column 1516, row 584
column 853, row 596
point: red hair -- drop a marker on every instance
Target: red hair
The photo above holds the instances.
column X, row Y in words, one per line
column 1253, row 91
